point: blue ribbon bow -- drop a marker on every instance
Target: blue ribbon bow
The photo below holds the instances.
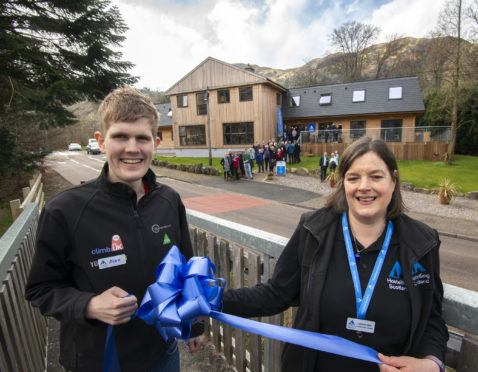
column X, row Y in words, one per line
column 182, row 292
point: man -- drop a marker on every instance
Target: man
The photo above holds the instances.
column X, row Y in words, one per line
column 324, row 163
column 98, row 245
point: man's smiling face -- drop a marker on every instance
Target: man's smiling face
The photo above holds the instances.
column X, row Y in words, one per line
column 129, row 149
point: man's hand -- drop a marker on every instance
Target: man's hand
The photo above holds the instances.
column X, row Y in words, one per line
column 407, row 364
column 195, row 343
column 112, row 306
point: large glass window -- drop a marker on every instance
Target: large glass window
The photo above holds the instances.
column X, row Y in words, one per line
column 201, row 103
column 294, row 101
column 395, row 93
column 357, row 129
column 358, row 96
column 245, row 94
column 238, row 133
column 391, row 130
column 192, row 135
column 182, row 100
column 325, row 99
column 323, row 127
column 223, row 96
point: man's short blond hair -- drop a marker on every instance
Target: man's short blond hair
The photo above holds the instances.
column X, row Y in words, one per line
column 127, row 104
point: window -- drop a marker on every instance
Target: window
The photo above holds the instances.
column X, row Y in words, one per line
column 294, row 101
column 278, row 99
column 201, row 103
column 322, row 129
column 238, row 133
column 358, row 96
column 182, row 101
column 391, row 130
column 245, row 94
column 159, row 134
column 325, row 99
column 395, row 93
column 191, row 135
column 223, row 96
column 357, row 129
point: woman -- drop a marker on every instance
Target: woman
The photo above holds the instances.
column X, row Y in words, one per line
column 362, row 224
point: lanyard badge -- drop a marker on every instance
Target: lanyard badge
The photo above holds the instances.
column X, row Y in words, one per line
column 359, row 323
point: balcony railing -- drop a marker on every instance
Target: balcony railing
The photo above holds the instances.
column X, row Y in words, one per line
column 394, row 134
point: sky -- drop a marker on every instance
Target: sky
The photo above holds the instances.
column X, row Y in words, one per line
column 169, row 38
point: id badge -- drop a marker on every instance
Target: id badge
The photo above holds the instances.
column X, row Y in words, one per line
column 360, row 325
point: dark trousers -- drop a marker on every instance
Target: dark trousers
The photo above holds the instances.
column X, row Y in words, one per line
column 266, row 162
column 235, row 171
column 260, row 164
column 323, row 173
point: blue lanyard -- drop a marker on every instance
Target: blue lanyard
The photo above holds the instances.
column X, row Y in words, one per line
column 363, row 303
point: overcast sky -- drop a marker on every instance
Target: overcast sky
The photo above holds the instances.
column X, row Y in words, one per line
column 168, row 38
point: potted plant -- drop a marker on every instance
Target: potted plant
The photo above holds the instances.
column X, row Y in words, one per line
column 310, row 153
column 333, row 178
column 446, row 191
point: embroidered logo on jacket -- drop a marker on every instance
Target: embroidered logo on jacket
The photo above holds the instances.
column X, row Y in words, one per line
column 104, row 263
column 166, row 239
column 116, row 243
column 395, row 278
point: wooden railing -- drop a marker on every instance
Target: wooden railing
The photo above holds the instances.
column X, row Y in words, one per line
column 23, row 330
column 246, row 255
column 33, row 193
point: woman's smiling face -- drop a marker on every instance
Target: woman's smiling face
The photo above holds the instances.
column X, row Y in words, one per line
column 369, row 188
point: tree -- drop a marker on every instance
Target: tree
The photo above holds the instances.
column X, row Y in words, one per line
column 450, row 24
column 54, row 53
column 351, row 39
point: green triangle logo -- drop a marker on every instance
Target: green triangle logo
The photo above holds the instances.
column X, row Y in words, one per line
column 166, row 239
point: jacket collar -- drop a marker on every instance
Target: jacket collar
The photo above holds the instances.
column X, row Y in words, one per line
column 414, row 235
column 122, row 189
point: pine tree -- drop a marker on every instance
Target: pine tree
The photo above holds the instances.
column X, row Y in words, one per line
column 54, row 53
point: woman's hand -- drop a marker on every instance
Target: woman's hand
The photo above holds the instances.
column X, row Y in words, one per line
column 195, row 343
column 113, row 306
column 408, row 364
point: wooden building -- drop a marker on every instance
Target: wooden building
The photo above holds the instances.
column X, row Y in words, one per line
column 239, row 107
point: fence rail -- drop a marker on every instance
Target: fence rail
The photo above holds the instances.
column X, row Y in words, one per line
column 242, row 255
column 34, row 193
column 391, row 134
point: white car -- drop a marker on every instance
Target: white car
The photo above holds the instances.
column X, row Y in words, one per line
column 74, row 147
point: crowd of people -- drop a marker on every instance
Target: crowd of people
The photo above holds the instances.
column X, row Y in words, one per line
column 240, row 164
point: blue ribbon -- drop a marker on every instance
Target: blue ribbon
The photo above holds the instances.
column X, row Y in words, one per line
column 184, row 291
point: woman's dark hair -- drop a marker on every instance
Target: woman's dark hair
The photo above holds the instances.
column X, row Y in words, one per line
column 337, row 200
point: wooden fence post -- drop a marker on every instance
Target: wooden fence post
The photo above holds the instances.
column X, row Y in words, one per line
column 468, row 359
column 15, row 208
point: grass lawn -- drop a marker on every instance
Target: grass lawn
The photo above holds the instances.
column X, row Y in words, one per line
column 422, row 173
column 5, row 218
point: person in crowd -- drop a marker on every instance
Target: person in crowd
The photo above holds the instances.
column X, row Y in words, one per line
column 272, row 158
column 247, row 164
column 260, row 161
column 241, row 164
column 333, row 132
column 226, row 164
column 266, row 156
column 339, row 132
column 235, row 166
column 296, row 152
column 333, row 162
column 99, row 243
column 361, row 242
column 280, row 153
column 290, row 153
column 294, row 134
column 252, row 157
column 324, row 164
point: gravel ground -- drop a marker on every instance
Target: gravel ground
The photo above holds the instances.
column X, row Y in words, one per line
column 460, row 207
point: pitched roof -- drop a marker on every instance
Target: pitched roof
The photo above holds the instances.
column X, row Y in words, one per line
column 376, row 99
column 213, row 74
column 165, row 120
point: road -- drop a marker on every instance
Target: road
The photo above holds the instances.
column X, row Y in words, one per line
column 459, row 257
